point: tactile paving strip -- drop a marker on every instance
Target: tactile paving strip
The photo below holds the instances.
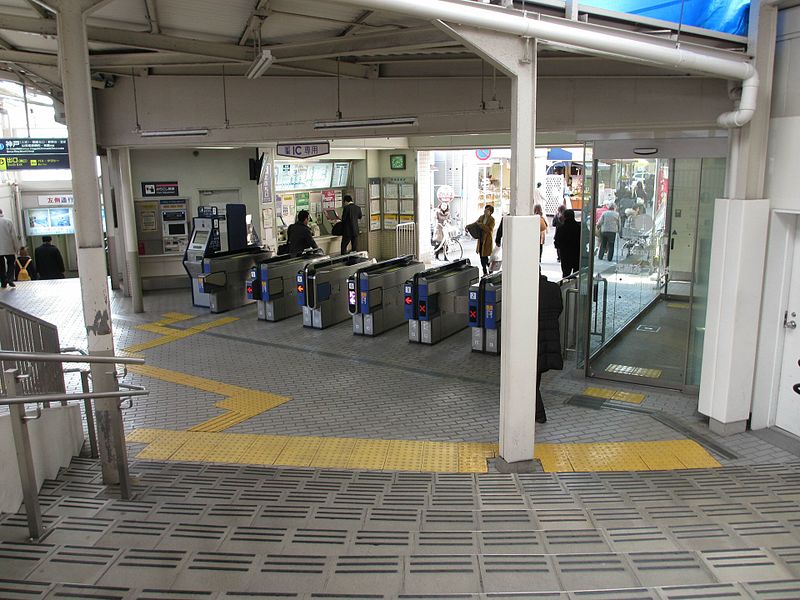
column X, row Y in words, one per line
column 412, row 455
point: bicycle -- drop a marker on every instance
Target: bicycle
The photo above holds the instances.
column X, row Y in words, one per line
column 450, row 248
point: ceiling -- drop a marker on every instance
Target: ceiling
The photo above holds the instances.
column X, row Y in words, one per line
column 149, row 38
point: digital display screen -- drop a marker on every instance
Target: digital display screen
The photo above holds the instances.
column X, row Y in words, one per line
column 49, row 221
column 351, row 297
column 200, row 237
column 177, row 229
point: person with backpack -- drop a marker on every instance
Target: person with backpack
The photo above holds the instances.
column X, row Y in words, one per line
column 24, row 268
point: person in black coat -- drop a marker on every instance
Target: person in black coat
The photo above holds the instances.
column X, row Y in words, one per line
column 298, row 236
column 350, row 217
column 568, row 243
column 49, row 261
column 549, row 349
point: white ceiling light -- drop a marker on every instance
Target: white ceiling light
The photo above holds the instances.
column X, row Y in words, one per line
column 262, row 62
column 174, row 133
column 367, row 123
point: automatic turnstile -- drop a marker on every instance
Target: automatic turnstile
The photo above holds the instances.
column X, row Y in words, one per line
column 375, row 294
column 483, row 314
column 436, row 301
column 322, row 288
column 224, row 277
column 272, row 284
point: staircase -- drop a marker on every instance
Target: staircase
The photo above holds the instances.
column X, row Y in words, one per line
column 237, row 532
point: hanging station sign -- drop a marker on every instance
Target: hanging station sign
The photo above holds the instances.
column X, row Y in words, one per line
column 33, row 153
column 303, row 149
column 62, row 200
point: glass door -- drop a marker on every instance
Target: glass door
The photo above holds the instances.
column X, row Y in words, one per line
column 642, row 306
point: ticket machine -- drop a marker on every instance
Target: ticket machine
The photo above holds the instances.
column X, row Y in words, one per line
column 483, row 313
column 272, row 284
column 203, row 242
column 375, row 294
column 436, row 301
column 322, row 288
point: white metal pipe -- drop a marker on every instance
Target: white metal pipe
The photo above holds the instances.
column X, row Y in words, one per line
column 602, row 40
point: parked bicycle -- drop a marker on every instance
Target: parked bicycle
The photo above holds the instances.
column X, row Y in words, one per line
column 449, row 248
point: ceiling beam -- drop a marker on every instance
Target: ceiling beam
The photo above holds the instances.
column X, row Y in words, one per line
column 356, row 22
column 152, row 15
column 41, row 10
column 259, row 14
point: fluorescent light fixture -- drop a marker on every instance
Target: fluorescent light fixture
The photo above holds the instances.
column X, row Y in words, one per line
column 262, row 62
column 367, row 123
column 174, row 133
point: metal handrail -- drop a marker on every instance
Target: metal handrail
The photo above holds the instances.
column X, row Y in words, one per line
column 9, row 355
column 8, row 401
column 19, row 419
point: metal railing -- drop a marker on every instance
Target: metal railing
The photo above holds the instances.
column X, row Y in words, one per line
column 406, row 240
column 16, row 400
column 25, row 333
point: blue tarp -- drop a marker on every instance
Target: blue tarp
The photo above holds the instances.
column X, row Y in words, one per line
column 726, row 16
column 558, row 154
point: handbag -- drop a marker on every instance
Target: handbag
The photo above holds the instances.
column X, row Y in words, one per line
column 338, row 228
column 474, row 230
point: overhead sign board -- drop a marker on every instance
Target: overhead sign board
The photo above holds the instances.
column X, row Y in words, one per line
column 151, row 189
column 303, row 149
column 62, row 200
column 33, row 153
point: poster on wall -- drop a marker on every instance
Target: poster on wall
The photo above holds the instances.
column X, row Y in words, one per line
column 390, row 221
column 374, row 192
column 302, row 201
column 399, row 200
column 328, row 199
column 49, row 221
column 374, row 222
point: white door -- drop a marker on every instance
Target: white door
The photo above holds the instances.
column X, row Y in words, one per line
column 788, row 414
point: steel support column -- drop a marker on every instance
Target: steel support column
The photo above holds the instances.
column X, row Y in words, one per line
column 73, row 60
column 516, row 57
column 132, row 274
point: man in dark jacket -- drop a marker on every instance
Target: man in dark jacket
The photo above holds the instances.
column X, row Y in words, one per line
column 350, row 217
column 49, row 262
column 549, row 350
column 568, row 243
column 299, row 236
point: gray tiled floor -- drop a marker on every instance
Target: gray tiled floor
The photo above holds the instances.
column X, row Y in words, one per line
column 345, row 385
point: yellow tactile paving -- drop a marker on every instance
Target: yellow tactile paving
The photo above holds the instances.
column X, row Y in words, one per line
column 241, row 403
column 169, row 334
column 334, row 452
column 677, row 305
column 408, row 455
column 299, row 451
column 618, row 395
column 635, row 371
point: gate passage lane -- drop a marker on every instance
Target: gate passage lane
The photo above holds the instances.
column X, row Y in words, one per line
column 348, row 387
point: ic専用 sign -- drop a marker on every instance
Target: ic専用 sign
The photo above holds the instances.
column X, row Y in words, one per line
column 33, row 153
column 303, row 150
column 159, row 188
column 61, row 200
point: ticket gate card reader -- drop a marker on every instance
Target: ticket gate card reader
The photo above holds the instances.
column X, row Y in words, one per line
column 272, row 285
column 225, row 275
column 436, row 300
column 322, row 288
column 483, row 314
column 375, row 294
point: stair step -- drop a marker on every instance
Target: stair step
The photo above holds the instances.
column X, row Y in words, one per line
column 388, row 572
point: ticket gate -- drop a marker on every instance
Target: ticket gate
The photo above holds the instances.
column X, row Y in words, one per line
column 322, row 288
column 224, row 277
column 436, row 301
column 375, row 294
column 272, row 286
column 483, row 313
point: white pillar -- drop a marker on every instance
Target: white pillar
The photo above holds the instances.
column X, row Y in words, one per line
column 73, row 61
column 111, row 233
column 132, row 273
column 738, row 254
column 516, row 57
column 119, row 246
